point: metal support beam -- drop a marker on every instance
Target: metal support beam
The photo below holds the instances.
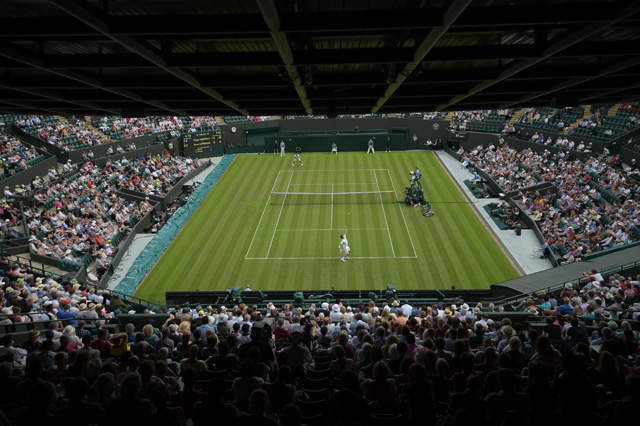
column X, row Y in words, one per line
column 76, row 76
column 608, row 92
column 32, row 107
column 272, row 19
column 250, row 24
column 321, row 57
column 56, row 97
column 91, row 19
column 611, row 69
column 452, row 13
column 554, row 48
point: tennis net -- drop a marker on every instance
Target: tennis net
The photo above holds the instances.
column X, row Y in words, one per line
column 364, row 197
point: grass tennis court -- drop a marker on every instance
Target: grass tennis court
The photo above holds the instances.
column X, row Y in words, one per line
column 278, row 227
column 314, row 206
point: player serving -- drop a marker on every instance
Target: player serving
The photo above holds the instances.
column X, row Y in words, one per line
column 344, row 246
column 297, row 158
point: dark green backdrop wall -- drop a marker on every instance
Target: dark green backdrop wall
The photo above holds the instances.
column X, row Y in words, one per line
column 404, row 127
column 358, row 142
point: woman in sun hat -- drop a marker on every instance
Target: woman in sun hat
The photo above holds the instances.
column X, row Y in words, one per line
column 32, row 343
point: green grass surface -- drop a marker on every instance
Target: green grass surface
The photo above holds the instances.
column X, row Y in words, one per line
column 238, row 237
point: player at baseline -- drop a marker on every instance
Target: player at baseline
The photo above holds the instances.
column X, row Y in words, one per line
column 297, row 158
column 344, row 246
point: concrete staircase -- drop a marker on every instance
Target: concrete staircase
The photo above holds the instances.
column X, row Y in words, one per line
column 87, row 120
column 614, row 110
column 585, row 114
column 449, row 115
column 517, row 113
column 61, row 118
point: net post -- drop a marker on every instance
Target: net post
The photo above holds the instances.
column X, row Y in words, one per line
column 393, row 197
column 271, row 198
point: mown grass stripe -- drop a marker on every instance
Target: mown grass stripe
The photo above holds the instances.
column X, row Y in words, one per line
column 453, row 247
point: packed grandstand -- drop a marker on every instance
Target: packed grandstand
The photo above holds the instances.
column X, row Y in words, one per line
column 73, row 349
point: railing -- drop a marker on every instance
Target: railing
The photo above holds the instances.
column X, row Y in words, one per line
column 604, row 271
column 33, row 266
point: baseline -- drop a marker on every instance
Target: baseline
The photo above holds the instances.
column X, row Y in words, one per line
column 330, row 229
column 336, row 170
column 327, row 184
column 328, row 257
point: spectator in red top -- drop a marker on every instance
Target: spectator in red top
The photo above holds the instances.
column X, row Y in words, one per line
column 102, row 345
column 281, row 332
column 343, row 340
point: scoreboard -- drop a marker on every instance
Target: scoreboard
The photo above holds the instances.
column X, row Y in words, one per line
column 202, row 144
column 456, row 134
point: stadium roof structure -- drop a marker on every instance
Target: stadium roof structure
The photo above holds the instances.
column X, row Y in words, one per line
column 323, row 57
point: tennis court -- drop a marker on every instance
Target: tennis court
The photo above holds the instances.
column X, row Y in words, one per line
column 308, row 205
column 278, row 227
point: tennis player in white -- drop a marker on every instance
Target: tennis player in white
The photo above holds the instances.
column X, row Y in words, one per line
column 297, row 158
column 344, row 246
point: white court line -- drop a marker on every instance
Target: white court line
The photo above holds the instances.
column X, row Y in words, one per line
column 403, row 218
column 330, row 229
column 338, row 171
column 415, row 256
column 324, row 258
column 327, row 184
column 280, row 214
column 262, row 215
column 385, row 214
column 331, row 225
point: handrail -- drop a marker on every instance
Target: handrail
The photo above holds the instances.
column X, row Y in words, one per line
column 608, row 270
column 24, row 261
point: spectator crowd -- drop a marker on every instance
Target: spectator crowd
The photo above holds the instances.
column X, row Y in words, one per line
column 134, row 127
column 370, row 363
column 70, row 136
column 14, row 155
column 593, row 204
column 83, row 213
